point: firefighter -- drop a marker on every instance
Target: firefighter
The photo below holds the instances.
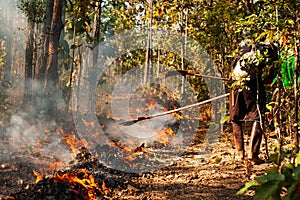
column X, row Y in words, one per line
column 248, row 96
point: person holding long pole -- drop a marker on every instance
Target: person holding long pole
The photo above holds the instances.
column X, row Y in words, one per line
column 247, row 95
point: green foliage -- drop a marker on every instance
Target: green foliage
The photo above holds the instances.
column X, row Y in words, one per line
column 4, row 101
column 2, row 56
column 217, row 25
column 277, row 183
column 33, row 10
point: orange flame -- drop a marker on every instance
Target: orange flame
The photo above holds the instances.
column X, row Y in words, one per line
column 177, row 116
column 55, row 165
column 88, row 182
column 104, row 186
column 164, row 135
column 73, row 142
column 39, row 176
column 138, row 150
column 129, row 154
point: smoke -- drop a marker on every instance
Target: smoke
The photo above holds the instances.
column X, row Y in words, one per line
column 12, row 22
column 34, row 138
column 38, row 139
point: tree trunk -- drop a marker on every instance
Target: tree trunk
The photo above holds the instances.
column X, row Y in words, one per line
column 41, row 69
column 184, row 20
column 92, row 73
column 148, row 71
column 28, row 90
column 296, row 102
column 48, row 74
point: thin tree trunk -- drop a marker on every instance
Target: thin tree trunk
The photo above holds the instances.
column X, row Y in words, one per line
column 51, row 79
column 148, row 71
column 184, row 19
column 79, row 78
column 48, row 72
column 41, row 69
column 296, row 102
column 69, row 89
column 27, row 100
column 158, row 64
column 92, row 72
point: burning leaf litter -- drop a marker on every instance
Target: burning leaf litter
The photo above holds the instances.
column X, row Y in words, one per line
column 86, row 179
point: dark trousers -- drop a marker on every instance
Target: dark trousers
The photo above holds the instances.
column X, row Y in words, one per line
column 244, row 103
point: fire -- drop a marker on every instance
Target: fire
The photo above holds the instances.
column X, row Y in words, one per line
column 39, row 176
column 130, row 154
column 73, row 142
column 139, row 150
column 55, row 165
column 87, row 181
column 164, row 135
column 81, row 180
column 151, row 102
column 104, row 188
column 177, row 116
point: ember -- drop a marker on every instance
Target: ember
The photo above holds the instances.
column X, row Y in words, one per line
column 103, row 186
column 39, row 177
column 165, row 135
column 86, row 181
column 73, row 142
column 135, row 151
column 55, row 165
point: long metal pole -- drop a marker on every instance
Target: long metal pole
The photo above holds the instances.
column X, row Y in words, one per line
column 128, row 123
column 189, row 106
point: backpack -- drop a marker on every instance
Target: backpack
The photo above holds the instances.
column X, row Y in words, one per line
column 253, row 59
column 243, row 69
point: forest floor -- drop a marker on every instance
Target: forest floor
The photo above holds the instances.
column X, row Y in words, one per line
column 191, row 176
column 214, row 175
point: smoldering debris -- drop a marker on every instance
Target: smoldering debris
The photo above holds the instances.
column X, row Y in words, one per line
column 38, row 144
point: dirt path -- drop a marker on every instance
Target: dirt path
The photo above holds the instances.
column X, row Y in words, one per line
column 215, row 176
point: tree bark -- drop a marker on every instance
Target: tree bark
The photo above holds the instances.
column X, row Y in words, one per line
column 92, row 73
column 28, row 90
column 48, row 74
column 296, row 101
column 148, row 71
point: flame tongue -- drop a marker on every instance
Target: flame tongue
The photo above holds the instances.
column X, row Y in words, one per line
column 73, row 142
column 39, row 176
column 83, row 179
column 80, row 181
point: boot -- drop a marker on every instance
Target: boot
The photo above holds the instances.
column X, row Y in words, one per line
column 255, row 140
column 238, row 140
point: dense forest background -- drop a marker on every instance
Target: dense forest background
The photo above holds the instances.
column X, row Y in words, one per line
column 43, row 46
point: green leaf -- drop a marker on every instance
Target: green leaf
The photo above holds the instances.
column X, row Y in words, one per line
column 247, row 186
column 297, row 169
column 297, row 173
column 225, row 118
column 272, row 170
column 273, row 157
column 291, row 192
column 289, row 166
column 268, row 189
column 270, row 177
column 269, row 107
